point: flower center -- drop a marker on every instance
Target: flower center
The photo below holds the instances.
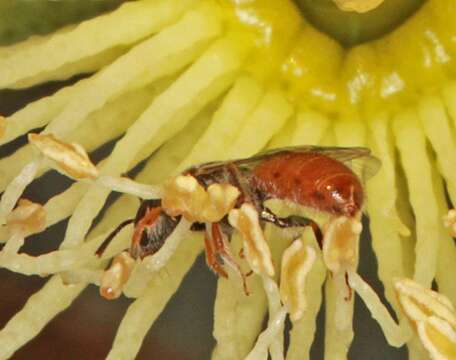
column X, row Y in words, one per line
column 350, row 28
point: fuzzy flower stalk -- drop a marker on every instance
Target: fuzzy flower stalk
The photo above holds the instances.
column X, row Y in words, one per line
column 177, row 83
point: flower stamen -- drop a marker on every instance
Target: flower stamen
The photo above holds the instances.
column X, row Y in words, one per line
column 27, row 218
column 438, row 337
column 433, row 317
column 419, row 303
column 297, row 260
column 184, row 196
column 256, row 250
column 340, row 255
column 340, row 244
column 72, row 159
column 116, row 276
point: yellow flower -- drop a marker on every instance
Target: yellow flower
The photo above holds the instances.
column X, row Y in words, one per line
column 181, row 82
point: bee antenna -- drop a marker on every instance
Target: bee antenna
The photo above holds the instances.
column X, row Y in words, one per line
column 101, row 249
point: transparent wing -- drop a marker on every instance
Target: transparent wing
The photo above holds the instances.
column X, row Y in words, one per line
column 359, row 159
column 339, row 153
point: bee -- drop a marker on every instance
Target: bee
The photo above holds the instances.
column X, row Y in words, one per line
column 320, row 178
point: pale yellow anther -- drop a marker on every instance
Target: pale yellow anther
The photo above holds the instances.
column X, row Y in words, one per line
column 297, row 260
column 449, row 221
column 183, row 195
column 222, row 197
column 340, row 243
column 2, row 126
column 419, row 303
column 438, row 337
column 116, row 276
column 256, row 250
column 27, row 218
column 360, row 6
column 186, row 183
column 72, row 159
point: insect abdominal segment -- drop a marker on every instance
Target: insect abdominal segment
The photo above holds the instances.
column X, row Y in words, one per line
column 221, row 197
column 311, row 179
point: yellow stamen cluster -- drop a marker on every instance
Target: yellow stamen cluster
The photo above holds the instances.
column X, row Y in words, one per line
column 438, row 337
column 418, row 302
column 184, row 196
column 432, row 315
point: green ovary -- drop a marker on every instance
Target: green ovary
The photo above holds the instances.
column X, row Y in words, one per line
column 318, row 70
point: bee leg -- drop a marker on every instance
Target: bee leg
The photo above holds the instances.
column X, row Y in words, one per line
column 293, row 221
column 218, row 253
column 101, row 249
column 211, row 256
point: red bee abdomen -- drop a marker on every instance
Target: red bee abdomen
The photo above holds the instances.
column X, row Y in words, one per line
column 310, row 179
